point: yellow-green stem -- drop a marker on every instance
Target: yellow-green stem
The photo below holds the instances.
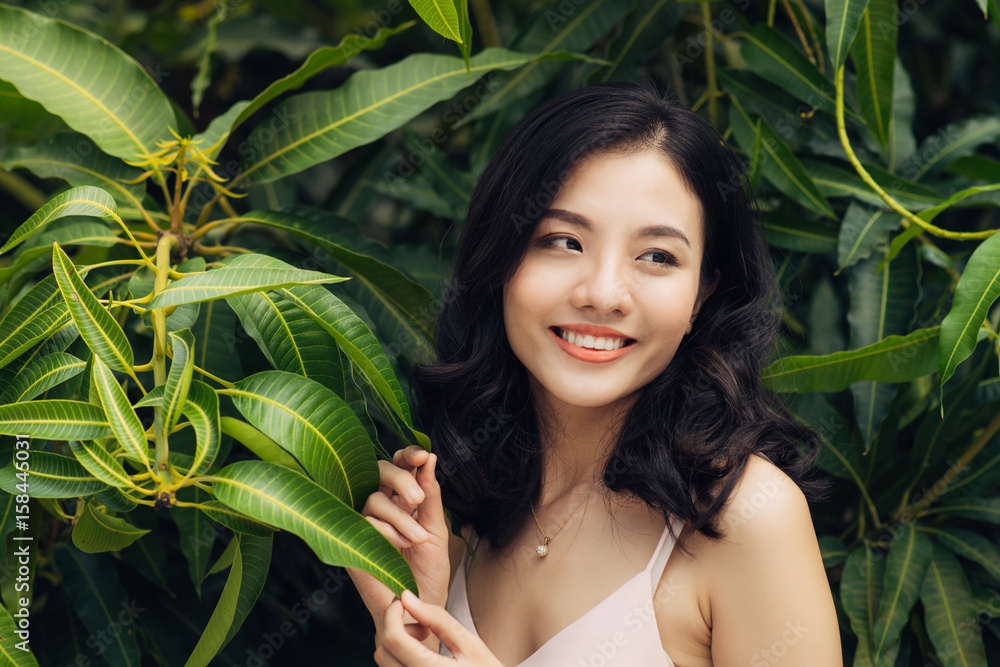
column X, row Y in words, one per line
column 886, row 197
column 163, row 249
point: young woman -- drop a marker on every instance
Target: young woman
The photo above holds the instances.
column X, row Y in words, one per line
column 596, row 403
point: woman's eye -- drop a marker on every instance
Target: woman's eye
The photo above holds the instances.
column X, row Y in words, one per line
column 564, row 242
column 659, row 257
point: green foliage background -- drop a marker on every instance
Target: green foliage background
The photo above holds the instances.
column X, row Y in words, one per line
column 878, row 182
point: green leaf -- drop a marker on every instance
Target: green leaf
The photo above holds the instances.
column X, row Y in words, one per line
column 124, row 422
column 970, row 545
column 441, row 16
column 91, row 84
column 32, row 319
column 950, row 613
column 84, row 200
column 874, row 54
column 366, row 107
column 75, row 159
column 71, row 231
column 975, row 293
column 882, row 304
column 842, row 19
column 861, row 230
column 251, row 560
column 316, row 427
column 832, row 551
column 203, row 76
column 100, row 601
column 978, row 509
column 318, row 61
column 99, row 463
column 242, row 275
column 837, row 181
column 202, row 410
column 178, row 382
column 258, row 443
column 465, row 32
column 336, row 533
column 99, row 330
column 779, row 164
column 894, row 359
column 9, row 639
column 642, row 30
column 54, row 420
column 51, row 476
column 409, row 302
column 197, row 534
column 40, row 375
column 96, row 532
column 860, row 592
column 289, row 339
column 950, row 143
column 909, row 556
column 772, row 56
column 793, row 232
column 358, row 342
column 234, row 521
column 553, row 30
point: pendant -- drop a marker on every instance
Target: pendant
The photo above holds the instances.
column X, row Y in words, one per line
column 543, row 549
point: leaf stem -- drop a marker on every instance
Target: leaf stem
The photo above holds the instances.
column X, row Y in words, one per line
column 886, row 197
column 224, row 383
column 159, row 360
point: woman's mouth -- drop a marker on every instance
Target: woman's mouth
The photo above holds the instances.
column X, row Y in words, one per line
column 587, row 347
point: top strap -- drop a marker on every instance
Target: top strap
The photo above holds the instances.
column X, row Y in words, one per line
column 662, row 553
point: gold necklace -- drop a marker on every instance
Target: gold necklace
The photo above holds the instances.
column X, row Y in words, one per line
column 543, row 548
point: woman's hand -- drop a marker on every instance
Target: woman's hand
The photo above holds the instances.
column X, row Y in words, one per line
column 401, row 647
column 407, row 510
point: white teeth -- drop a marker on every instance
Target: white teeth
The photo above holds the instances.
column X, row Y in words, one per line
column 602, row 343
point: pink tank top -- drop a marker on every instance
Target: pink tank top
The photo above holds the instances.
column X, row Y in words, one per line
column 620, row 630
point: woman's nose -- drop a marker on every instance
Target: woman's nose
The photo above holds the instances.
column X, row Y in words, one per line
column 605, row 287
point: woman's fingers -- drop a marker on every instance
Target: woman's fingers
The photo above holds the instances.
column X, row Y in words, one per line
column 446, row 627
column 390, row 533
column 399, row 643
column 380, row 507
column 431, row 510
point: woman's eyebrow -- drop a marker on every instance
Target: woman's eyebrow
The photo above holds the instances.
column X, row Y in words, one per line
column 652, row 231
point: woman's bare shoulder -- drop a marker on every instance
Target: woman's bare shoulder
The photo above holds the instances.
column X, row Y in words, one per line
column 768, row 584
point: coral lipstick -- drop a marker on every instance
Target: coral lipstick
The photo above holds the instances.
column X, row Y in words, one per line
column 588, row 354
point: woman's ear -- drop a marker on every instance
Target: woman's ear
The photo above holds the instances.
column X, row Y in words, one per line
column 704, row 291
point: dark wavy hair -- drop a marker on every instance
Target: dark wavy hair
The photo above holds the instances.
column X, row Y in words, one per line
column 687, row 438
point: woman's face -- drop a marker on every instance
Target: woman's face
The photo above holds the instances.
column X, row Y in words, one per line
column 609, row 283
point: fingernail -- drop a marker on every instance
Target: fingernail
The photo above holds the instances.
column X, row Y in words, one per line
column 420, row 532
column 410, row 598
column 414, row 496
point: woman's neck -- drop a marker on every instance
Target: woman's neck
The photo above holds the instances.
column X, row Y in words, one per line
column 577, row 441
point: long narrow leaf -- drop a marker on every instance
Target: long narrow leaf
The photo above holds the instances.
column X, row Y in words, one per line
column 101, row 332
column 84, row 200
column 977, row 289
column 124, row 422
column 50, row 476
column 950, row 613
column 84, row 79
column 894, row 359
column 316, row 427
column 40, row 375
column 336, row 533
column 242, row 275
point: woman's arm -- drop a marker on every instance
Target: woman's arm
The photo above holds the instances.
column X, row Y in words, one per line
column 770, row 597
